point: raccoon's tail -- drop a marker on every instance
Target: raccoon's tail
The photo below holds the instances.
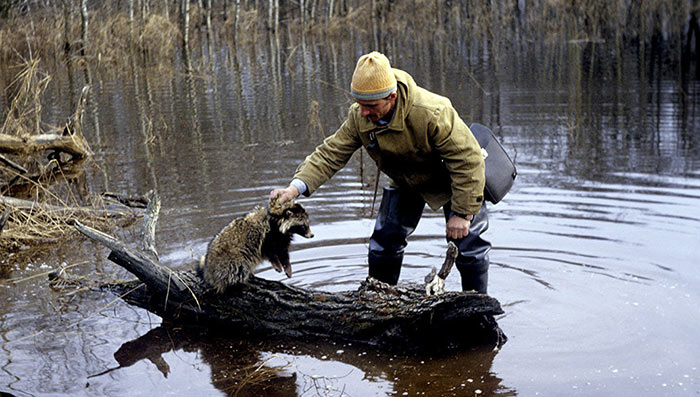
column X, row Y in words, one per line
column 199, row 266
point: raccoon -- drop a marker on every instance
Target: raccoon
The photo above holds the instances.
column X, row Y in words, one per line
column 243, row 244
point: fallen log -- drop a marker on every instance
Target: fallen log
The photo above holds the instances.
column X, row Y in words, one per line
column 394, row 317
column 27, row 145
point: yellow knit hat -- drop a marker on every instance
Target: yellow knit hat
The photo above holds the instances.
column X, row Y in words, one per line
column 373, row 77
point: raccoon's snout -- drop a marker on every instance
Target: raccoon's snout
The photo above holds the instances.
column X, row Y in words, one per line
column 302, row 230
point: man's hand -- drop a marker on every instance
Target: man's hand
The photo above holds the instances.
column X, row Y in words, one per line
column 457, row 227
column 284, row 195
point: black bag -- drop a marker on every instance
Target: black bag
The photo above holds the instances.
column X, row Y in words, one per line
column 500, row 170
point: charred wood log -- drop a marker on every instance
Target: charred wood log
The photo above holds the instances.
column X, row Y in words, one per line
column 395, row 317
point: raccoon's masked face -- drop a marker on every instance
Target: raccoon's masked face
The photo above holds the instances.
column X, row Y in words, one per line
column 293, row 219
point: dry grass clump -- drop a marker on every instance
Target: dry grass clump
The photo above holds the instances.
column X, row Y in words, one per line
column 159, row 37
column 23, row 117
column 43, row 186
column 29, row 36
column 117, row 40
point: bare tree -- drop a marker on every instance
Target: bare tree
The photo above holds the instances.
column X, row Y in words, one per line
column 84, row 25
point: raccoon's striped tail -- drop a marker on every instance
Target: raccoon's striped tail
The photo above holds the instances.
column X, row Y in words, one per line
column 199, row 266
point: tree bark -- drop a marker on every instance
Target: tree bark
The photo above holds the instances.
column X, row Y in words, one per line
column 38, row 143
column 83, row 25
column 393, row 317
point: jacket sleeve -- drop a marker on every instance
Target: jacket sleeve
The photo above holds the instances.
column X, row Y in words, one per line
column 461, row 154
column 329, row 157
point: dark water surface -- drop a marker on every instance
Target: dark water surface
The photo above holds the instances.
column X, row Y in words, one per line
column 595, row 249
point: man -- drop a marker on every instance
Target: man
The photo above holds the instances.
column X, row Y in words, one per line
column 416, row 138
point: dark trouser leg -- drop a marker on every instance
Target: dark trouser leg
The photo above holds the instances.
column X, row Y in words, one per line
column 473, row 259
column 398, row 217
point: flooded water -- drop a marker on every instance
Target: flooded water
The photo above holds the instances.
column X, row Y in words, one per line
column 594, row 250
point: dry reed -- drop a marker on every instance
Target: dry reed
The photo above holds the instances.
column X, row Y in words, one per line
column 50, row 193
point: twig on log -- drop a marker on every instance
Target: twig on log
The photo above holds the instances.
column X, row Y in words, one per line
column 134, row 202
column 148, row 232
column 13, row 165
column 450, row 258
column 3, row 218
column 152, row 273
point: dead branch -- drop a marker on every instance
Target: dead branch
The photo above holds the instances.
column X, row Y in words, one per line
column 3, row 218
column 13, row 165
column 28, row 145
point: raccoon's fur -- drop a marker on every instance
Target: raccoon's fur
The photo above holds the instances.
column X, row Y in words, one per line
column 240, row 247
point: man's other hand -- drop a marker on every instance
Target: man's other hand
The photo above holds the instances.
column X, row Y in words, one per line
column 457, row 227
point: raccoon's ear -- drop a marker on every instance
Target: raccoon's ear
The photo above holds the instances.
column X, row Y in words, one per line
column 275, row 208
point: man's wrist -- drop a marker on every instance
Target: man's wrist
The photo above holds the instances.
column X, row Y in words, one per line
column 468, row 217
column 300, row 185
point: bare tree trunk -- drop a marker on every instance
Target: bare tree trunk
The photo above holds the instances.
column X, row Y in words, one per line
column 84, row 30
column 330, row 10
column 185, row 9
column 166, row 9
column 270, row 6
column 208, row 15
column 131, row 18
column 235, row 19
column 67, row 19
column 277, row 15
column 302, row 11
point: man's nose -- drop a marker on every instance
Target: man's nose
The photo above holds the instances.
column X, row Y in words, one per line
column 363, row 111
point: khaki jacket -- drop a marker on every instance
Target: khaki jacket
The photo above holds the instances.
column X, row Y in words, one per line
column 426, row 147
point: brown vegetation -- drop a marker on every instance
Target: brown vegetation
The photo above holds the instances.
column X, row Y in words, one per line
column 154, row 29
column 42, row 177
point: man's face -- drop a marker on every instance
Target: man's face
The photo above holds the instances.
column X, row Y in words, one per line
column 375, row 109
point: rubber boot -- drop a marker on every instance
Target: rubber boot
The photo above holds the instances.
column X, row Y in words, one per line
column 473, row 259
column 398, row 217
